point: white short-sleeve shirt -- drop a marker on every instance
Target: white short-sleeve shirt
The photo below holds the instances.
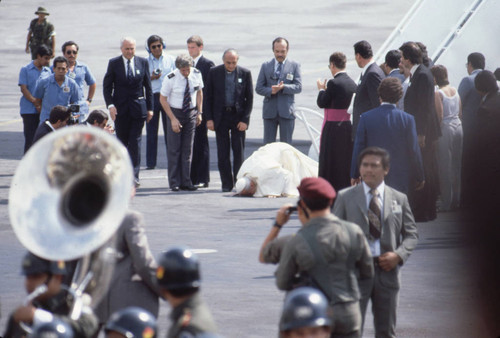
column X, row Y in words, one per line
column 174, row 85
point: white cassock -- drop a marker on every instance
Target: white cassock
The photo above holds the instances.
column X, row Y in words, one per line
column 278, row 168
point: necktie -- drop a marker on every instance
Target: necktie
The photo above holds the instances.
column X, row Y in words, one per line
column 374, row 215
column 278, row 71
column 186, row 102
column 129, row 70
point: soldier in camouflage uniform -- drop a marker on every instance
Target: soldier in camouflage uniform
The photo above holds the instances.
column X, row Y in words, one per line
column 41, row 32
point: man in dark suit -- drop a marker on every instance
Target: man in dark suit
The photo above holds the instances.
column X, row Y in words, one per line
column 279, row 80
column 371, row 75
column 393, row 130
column 59, row 117
column 385, row 218
column 229, row 102
column 419, row 102
column 470, row 103
column 129, row 98
column 200, row 165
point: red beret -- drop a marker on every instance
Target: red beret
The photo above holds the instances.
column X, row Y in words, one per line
column 316, row 187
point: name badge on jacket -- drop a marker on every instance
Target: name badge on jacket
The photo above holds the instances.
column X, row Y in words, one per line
column 396, row 208
column 66, row 89
column 289, row 77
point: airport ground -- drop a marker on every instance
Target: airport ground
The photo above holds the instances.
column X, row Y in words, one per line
column 438, row 297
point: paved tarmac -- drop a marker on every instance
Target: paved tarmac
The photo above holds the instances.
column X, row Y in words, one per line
column 438, row 297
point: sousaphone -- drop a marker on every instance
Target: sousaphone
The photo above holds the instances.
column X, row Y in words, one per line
column 68, row 197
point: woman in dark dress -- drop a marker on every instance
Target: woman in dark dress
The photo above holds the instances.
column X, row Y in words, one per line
column 336, row 143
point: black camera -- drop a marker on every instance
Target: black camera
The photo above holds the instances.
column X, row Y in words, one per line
column 157, row 71
column 75, row 114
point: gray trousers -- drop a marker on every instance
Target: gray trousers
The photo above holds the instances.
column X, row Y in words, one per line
column 180, row 149
column 449, row 159
column 346, row 320
column 383, row 291
column 271, row 129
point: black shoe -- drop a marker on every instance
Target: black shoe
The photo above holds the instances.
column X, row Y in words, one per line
column 150, row 168
column 188, row 188
column 175, row 189
column 201, row 185
column 227, row 189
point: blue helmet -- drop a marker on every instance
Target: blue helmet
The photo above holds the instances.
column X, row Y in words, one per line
column 305, row 307
column 56, row 328
column 178, row 268
column 133, row 322
column 33, row 264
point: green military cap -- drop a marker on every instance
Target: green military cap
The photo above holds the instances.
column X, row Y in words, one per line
column 42, row 10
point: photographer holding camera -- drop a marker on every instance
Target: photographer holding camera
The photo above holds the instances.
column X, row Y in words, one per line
column 160, row 65
column 326, row 253
column 56, row 89
column 59, row 117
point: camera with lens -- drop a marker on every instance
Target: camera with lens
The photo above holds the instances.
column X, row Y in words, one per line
column 157, row 71
column 75, row 113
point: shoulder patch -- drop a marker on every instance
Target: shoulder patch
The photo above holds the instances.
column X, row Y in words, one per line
column 186, row 318
column 171, row 75
column 196, row 70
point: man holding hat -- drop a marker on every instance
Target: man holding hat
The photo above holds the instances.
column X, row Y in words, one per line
column 41, row 32
column 327, row 253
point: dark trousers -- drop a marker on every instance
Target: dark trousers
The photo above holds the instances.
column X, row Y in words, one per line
column 30, row 124
column 229, row 137
column 152, row 132
column 129, row 132
column 180, row 149
column 200, row 165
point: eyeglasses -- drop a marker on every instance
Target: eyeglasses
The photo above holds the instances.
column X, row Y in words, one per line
column 156, row 46
column 71, row 52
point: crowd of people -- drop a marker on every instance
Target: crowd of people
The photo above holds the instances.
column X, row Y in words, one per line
column 413, row 137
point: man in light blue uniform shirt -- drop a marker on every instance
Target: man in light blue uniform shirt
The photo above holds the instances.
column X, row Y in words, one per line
column 28, row 77
column 81, row 73
column 57, row 89
column 160, row 65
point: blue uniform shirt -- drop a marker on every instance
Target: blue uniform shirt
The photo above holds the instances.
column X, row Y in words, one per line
column 52, row 94
column 166, row 63
column 28, row 76
column 82, row 74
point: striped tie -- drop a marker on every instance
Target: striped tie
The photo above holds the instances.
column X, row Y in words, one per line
column 374, row 215
column 186, row 102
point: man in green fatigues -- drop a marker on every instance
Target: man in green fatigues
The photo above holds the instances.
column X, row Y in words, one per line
column 326, row 253
column 178, row 276
column 41, row 32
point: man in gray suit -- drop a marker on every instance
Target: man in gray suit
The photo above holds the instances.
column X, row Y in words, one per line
column 133, row 281
column 279, row 80
column 386, row 219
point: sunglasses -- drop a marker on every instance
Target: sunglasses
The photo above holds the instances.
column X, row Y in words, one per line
column 71, row 52
column 156, row 46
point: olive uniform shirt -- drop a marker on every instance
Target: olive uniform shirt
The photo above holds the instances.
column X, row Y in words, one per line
column 191, row 319
column 345, row 250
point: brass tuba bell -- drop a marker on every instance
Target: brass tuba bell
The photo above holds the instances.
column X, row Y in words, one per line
column 70, row 193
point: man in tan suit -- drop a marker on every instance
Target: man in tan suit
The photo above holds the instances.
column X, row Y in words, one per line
column 386, row 219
